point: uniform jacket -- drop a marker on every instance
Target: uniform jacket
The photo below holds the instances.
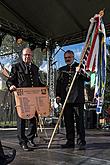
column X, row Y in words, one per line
column 21, row 78
column 64, row 80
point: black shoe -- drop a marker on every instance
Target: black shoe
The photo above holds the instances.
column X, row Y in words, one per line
column 32, row 144
column 8, row 158
column 82, row 146
column 68, row 144
column 25, row 147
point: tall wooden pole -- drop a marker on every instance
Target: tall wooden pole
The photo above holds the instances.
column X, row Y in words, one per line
column 67, row 96
column 101, row 13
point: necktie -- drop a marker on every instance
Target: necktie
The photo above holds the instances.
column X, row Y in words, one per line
column 27, row 69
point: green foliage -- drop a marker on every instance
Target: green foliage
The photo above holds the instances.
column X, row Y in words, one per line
column 10, row 46
column 107, row 87
column 38, row 57
column 8, row 124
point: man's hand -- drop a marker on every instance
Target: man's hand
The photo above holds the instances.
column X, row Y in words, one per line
column 58, row 99
column 12, row 88
column 78, row 69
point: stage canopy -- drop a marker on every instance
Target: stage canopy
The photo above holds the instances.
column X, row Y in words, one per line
column 61, row 21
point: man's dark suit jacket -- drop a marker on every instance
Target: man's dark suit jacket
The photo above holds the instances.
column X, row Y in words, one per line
column 64, row 80
column 20, row 78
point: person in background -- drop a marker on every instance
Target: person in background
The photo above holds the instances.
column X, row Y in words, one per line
column 74, row 107
column 25, row 74
column 6, row 159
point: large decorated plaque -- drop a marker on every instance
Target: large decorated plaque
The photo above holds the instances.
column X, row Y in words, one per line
column 31, row 100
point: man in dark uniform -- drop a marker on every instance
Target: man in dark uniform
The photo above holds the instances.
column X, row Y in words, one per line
column 75, row 102
column 25, row 74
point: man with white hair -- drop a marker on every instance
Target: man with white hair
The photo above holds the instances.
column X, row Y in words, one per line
column 25, row 74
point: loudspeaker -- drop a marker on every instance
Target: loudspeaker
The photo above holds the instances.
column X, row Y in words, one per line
column 90, row 119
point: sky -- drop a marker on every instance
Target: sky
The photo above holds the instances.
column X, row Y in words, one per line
column 59, row 57
column 77, row 49
column 7, row 61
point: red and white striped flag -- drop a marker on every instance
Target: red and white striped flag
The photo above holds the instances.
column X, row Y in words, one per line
column 95, row 55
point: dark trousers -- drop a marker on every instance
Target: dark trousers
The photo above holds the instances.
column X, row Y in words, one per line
column 72, row 113
column 1, row 151
column 32, row 129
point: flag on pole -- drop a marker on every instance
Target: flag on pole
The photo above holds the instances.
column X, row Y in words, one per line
column 101, row 69
column 95, row 56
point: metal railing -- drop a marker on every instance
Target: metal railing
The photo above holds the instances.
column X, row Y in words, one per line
column 7, row 110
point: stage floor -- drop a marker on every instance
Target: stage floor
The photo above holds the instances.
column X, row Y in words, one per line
column 96, row 153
